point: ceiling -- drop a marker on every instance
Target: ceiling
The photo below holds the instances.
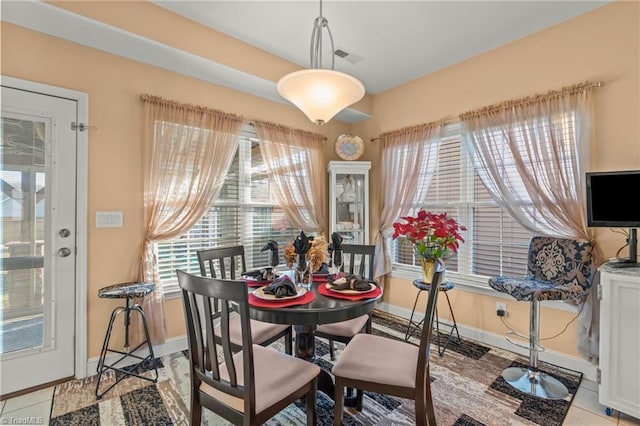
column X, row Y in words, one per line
column 397, row 41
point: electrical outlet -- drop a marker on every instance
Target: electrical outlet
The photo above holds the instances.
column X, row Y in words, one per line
column 501, row 309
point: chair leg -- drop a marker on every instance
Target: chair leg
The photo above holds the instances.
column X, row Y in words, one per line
column 312, row 407
column 530, row 380
column 359, row 398
column 425, row 414
column 332, row 350
column 431, row 414
column 288, row 342
column 338, row 398
column 151, row 357
column 105, row 347
column 196, row 409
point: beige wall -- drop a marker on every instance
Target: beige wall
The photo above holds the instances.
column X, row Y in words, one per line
column 601, row 45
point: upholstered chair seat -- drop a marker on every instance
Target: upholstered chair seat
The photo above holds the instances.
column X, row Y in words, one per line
column 275, row 375
column 378, row 359
column 260, row 331
column 348, row 328
column 528, row 289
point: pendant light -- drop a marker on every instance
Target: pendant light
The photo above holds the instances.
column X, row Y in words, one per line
column 320, row 93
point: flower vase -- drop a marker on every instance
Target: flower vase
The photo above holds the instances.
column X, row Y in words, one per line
column 428, row 268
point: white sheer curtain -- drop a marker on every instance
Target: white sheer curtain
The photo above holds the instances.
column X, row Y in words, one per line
column 532, row 155
column 295, row 167
column 408, row 160
column 187, row 152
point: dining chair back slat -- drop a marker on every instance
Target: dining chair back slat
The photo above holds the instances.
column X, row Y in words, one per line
column 360, row 259
column 226, row 263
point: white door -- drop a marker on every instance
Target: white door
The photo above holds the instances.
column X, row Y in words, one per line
column 38, row 243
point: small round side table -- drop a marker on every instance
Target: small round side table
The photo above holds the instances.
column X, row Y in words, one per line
column 127, row 291
column 413, row 326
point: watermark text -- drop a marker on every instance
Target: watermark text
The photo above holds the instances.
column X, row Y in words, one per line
column 22, row 420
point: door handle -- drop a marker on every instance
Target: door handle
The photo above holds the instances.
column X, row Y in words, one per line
column 64, row 252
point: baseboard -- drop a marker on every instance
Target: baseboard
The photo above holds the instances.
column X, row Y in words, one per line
column 172, row 345
column 497, row 340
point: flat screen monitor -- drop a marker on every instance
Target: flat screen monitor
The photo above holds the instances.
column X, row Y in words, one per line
column 613, row 201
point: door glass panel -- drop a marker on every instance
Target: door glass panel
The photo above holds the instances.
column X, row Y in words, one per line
column 23, row 179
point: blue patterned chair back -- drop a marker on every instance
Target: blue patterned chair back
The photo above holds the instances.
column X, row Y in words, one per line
column 557, row 269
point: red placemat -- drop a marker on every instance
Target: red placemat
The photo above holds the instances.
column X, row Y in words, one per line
column 323, row 290
column 261, row 303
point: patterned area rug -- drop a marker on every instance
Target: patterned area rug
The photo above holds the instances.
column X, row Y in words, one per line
column 466, row 384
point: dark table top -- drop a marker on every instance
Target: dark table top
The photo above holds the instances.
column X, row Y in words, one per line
column 322, row 310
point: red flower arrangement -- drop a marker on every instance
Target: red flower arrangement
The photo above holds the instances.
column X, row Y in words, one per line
column 434, row 235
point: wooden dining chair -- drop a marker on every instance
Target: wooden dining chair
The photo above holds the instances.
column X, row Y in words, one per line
column 360, row 260
column 389, row 366
column 248, row 387
column 228, row 263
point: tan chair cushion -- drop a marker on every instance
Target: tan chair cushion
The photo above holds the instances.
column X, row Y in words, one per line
column 277, row 375
column 378, row 359
column 346, row 328
column 260, row 330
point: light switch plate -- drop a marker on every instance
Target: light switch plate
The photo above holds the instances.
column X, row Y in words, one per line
column 109, row 220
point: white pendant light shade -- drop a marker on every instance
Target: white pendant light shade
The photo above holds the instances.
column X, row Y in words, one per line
column 320, row 93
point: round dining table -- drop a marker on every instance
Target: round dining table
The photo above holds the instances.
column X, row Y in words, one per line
column 305, row 319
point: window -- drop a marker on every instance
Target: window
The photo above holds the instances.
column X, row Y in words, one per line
column 494, row 243
column 244, row 213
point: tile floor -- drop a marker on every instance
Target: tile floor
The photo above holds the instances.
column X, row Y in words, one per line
column 34, row 408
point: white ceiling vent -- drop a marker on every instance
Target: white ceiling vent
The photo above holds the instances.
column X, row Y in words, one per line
column 348, row 56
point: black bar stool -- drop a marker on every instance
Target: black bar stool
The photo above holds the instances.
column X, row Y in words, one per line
column 126, row 291
column 413, row 326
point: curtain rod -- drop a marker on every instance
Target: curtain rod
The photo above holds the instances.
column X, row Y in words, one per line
column 453, row 120
column 449, row 120
column 253, row 124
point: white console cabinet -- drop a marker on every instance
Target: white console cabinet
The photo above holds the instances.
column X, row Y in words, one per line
column 620, row 339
